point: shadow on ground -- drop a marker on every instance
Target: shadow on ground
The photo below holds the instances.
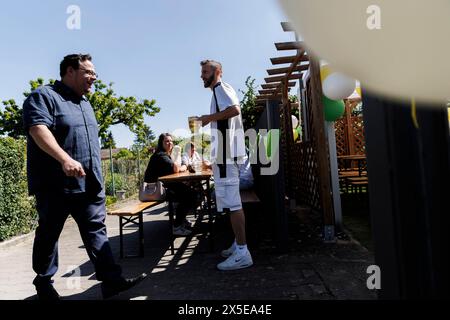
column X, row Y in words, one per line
column 307, row 269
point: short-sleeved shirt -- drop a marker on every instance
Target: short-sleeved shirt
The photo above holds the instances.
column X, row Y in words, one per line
column 223, row 97
column 188, row 161
column 160, row 164
column 72, row 122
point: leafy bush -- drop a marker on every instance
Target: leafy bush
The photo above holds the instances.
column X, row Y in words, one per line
column 17, row 209
column 119, row 184
column 110, row 200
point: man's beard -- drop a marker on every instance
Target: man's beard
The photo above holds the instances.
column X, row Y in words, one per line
column 210, row 80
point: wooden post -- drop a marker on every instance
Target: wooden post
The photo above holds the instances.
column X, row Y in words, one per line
column 289, row 137
column 112, row 172
column 323, row 165
column 276, row 184
column 409, row 179
column 349, row 129
column 334, row 175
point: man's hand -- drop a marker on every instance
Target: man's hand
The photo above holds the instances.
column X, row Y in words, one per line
column 179, row 168
column 207, row 164
column 73, row 168
column 205, row 120
column 47, row 142
column 230, row 112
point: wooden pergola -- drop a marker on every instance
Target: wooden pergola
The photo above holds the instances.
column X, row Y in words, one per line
column 306, row 163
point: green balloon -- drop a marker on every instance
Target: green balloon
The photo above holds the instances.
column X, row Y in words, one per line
column 333, row 109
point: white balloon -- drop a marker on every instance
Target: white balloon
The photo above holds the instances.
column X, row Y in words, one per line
column 338, row 86
column 396, row 48
column 294, row 122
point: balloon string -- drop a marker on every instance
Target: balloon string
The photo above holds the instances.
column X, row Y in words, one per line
column 414, row 113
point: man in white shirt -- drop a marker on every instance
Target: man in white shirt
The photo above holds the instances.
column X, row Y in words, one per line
column 190, row 155
column 227, row 152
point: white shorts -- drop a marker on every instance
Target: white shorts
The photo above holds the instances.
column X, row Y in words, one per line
column 227, row 189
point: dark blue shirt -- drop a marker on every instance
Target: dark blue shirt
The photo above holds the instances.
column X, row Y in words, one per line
column 160, row 165
column 72, row 121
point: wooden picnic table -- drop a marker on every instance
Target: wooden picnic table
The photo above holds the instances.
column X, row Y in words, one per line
column 186, row 176
column 352, row 157
column 359, row 158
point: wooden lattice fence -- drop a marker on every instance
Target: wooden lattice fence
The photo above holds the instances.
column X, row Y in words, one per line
column 300, row 159
column 349, row 130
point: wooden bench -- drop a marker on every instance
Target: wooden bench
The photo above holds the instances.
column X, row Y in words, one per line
column 128, row 215
column 357, row 183
column 252, row 208
column 249, row 196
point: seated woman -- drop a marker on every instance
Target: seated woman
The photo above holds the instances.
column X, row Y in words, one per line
column 161, row 164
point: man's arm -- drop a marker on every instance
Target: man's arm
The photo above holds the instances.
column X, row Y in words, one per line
column 47, row 142
column 177, row 168
column 228, row 113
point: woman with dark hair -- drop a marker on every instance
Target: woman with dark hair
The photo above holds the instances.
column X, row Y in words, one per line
column 161, row 164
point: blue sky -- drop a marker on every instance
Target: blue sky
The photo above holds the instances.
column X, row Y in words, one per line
column 149, row 49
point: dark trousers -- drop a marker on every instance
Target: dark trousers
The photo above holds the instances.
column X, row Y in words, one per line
column 186, row 199
column 88, row 210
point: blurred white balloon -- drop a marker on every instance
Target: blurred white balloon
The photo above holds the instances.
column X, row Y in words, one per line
column 338, row 86
column 294, row 122
column 397, row 48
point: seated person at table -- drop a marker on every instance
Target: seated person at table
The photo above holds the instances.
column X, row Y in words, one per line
column 190, row 155
column 161, row 164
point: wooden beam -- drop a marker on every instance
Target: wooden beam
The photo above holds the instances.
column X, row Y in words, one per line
column 322, row 154
column 275, row 85
column 268, row 91
column 280, row 78
column 294, row 45
column 285, row 70
column 263, row 101
column 287, row 26
column 288, row 59
column 268, row 95
column 289, row 75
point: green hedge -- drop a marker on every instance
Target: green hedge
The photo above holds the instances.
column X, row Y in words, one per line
column 17, row 210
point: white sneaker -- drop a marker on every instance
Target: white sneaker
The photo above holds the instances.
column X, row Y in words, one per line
column 181, row 231
column 228, row 252
column 236, row 261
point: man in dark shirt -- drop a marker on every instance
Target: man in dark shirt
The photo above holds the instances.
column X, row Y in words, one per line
column 64, row 174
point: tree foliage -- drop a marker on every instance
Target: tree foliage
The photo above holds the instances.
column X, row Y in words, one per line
column 250, row 114
column 108, row 141
column 124, row 154
column 11, row 117
column 109, row 109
